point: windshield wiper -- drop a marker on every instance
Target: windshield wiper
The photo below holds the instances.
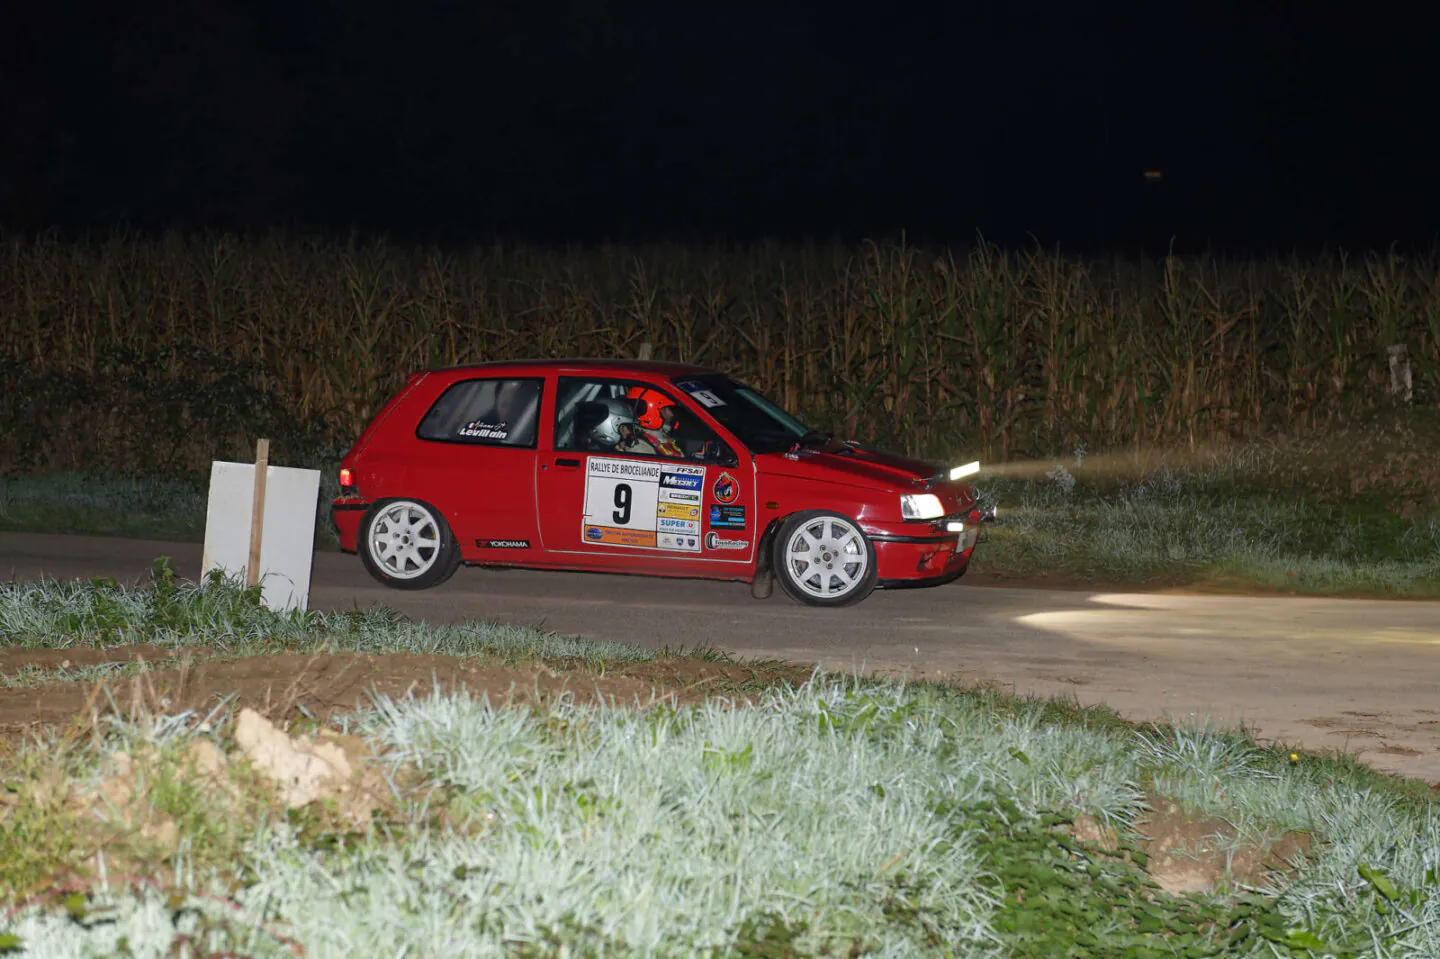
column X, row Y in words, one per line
column 808, row 439
column 814, row 438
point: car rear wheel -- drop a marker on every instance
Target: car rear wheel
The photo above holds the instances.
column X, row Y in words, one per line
column 824, row 559
column 406, row 544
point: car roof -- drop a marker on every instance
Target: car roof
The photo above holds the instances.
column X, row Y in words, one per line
column 652, row 367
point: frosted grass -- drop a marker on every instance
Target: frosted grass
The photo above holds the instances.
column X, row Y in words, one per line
column 597, row 831
column 664, row 831
column 835, row 810
column 220, row 616
column 1217, row 773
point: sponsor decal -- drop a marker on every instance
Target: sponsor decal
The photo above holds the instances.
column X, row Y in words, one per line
column 726, row 489
column 503, row 543
column 645, row 505
column 708, row 399
column 727, row 517
column 611, row 536
column 626, row 468
column 700, row 393
column 688, row 544
column 678, row 481
column 714, row 541
column 481, row 430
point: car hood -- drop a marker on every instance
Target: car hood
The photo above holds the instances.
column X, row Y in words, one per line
column 858, row 466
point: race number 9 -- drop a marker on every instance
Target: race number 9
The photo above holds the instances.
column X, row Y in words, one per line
column 623, row 498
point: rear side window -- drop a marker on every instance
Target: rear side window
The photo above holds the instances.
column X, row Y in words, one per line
column 485, row 413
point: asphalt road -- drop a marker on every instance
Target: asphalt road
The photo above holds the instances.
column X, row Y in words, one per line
column 1362, row 675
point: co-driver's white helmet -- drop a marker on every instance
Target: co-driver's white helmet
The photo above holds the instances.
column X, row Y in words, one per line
column 607, row 431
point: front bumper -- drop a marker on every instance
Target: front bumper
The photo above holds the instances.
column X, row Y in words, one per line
column 925, row 554
column 921, row 564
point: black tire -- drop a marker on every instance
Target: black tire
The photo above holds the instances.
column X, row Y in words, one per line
column 406, row 544
column 836, row 567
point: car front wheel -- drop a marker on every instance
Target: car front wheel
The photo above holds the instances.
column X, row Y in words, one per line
column 824, row 559
column 406, row 544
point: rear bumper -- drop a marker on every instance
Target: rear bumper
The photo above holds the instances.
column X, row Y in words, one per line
column 346, row 513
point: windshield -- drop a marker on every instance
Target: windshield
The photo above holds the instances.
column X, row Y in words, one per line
column 761, row 425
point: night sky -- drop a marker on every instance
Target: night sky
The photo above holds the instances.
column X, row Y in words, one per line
column 1275, row 127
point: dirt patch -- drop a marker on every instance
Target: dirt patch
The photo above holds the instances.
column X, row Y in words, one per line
column 1190, row 853
column 321, row 685
column 1088, row 829
column 14, row 660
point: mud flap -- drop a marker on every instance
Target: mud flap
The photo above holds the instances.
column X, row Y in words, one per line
column 764, row 582
column 762, row 585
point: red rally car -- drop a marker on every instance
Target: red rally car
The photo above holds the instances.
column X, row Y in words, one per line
column 639, row 467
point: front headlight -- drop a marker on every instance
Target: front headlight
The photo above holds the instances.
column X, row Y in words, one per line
column 921, row 506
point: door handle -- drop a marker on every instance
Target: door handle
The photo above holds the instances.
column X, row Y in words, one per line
column 566, row 461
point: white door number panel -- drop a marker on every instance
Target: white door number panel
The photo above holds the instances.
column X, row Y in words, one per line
column 649, row 505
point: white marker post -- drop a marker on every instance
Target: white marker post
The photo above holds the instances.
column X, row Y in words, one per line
column 260, row 527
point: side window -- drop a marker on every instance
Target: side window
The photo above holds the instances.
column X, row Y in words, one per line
column 634, row 419
column 485, row 413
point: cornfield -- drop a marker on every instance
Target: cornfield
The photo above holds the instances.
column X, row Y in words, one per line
column 137, row 354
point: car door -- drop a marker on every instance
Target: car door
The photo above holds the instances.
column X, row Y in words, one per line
column 676, row 501
column 476, row 464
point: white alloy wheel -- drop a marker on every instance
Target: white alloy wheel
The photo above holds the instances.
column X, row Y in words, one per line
column 404, row 539
column 825, row 560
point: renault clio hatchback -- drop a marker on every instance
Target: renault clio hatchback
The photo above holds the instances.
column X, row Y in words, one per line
column 639, row 467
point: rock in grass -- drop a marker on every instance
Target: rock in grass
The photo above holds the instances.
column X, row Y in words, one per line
column 304, row 769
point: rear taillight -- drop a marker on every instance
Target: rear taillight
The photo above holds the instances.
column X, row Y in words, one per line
column 347, row 479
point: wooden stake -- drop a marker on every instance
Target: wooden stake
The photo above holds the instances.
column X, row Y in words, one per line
column 257, row 511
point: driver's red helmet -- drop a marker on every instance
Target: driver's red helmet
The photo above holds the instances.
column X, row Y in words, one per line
column 655, row 401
